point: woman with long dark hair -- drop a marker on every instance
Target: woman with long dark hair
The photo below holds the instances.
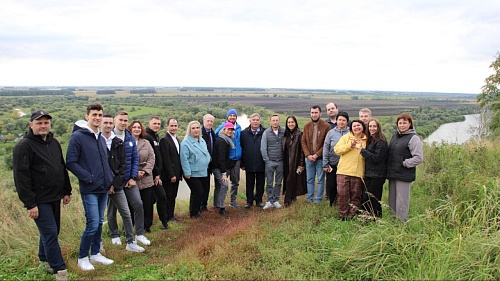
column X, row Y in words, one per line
column 294, row 176
column 375, row 156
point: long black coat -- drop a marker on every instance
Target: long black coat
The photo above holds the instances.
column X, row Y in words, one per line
column 293, row 184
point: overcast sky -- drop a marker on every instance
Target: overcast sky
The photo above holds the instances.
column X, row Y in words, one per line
column 430, row 45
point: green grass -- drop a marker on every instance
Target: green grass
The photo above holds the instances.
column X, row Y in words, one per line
column 453, row 233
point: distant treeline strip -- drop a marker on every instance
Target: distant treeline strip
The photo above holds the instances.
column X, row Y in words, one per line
column 143, row 91
column 37, row 93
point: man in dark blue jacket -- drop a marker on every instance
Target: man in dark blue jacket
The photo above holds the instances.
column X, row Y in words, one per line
column 41, row 181
column 128, row 182
column 87, row 158
column 252, row 162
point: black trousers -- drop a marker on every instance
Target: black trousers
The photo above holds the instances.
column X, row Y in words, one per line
column 148, row 206
column 206, row 191
column 331, row 185
column 171, row 190
column 256, row 179
column 160, row 197
column 372, row 195
column 196, row 186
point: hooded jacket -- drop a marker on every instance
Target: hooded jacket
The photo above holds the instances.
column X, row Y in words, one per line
column 39, row 170
column 87, row 159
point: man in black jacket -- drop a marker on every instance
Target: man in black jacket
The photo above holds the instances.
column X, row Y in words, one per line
column 117, row 197
column 252, row 162
column 208, row 135
column 171, row 170
column 158, row 190
column 41, row 181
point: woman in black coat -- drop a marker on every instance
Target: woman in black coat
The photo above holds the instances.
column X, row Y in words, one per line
column 375, row 156
column 294, row 175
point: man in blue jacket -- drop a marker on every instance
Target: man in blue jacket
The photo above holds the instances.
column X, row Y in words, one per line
column 41, row 181
column 234, row 155
column 87, row 158
column 128, row 183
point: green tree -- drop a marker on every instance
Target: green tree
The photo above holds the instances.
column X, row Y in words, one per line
column 490, row 94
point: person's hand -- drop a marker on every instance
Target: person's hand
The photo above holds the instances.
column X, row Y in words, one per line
column 66, row 199
column 140, row 174
column 33, row 212
column 326, row 170
column 224, row 177
column 130, row 183
column 157, row 180
column 173, row 179
column 187, row 177
column 312, row 157
column 111, row 190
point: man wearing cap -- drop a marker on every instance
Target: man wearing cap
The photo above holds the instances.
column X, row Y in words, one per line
column 234, row 155
column 41, row 181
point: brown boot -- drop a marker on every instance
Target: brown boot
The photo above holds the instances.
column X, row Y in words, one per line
column 62, row 275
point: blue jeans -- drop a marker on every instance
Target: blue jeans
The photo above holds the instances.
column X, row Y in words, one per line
column 93, row 205
column 49, row 223
column 314, row 169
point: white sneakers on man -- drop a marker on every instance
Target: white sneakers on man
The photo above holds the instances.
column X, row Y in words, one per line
column 277, row 205
column 84, row 264
column 100, row 259
column 133, row 247
column 268, row 205
column 143, row 239
column 116, row 241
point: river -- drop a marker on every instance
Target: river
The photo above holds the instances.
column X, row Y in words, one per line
column 455, row 133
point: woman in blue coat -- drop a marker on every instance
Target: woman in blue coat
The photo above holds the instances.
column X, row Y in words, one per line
column 194, row 161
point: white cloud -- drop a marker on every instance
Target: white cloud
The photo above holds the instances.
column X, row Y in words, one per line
column 378, row 45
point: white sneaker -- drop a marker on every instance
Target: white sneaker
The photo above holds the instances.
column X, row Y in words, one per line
column 116, row 241
column 100, row 259
column 277, row 205
column 268, row 205
column 132, row 247
column 84, row 264
column 143, row 239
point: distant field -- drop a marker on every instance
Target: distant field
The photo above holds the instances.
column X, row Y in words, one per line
column 299, row 102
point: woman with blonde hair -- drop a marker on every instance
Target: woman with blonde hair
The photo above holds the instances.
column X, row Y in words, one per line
column 194, row 161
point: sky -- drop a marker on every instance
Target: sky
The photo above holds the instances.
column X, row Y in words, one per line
column 421, row 46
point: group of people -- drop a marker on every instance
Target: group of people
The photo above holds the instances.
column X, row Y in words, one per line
column 127, row 167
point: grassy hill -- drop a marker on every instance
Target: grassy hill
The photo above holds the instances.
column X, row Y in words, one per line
column 453, row 233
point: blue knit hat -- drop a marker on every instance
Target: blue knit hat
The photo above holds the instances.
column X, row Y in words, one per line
column 232, row 111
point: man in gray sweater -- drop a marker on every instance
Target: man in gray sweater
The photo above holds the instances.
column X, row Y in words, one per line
column 272, row 153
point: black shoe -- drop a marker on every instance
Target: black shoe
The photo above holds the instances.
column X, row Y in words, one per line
column 248, row 205
column 148, row 230
column 203, row 209
column 196, row 216
column 164, row 227
column 259, row 204
column 173, row 219
column 223, row 212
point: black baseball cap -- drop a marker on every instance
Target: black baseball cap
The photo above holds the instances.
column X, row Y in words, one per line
column 39, row 114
